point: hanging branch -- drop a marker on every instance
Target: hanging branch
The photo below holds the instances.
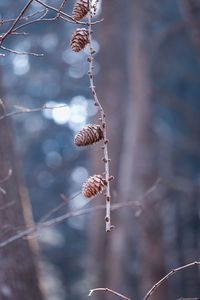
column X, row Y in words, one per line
column 102, row 118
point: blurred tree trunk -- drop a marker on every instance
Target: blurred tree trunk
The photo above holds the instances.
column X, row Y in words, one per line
column 140, row 158
column 18, row 273
column 133, row 156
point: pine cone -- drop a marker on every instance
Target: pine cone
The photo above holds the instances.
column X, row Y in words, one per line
column 93, row 186
column 80, row 9
column 88, row 135
column 80, row 38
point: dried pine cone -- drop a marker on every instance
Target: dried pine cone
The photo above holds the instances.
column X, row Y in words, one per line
column 80, row 9
column 93, row 186
column 80, row 38
column 88, row 135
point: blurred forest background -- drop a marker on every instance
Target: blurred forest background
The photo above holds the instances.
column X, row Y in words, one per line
column 147, row 73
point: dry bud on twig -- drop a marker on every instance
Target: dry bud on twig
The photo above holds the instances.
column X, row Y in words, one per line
column 93, row 186
column 88, row 135
column 80, row 9
column 80, row 38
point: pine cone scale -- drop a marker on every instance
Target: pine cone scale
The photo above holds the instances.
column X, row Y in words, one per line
column 93, row 186
column 80, row 38
column 88, row 135
column 80, row 10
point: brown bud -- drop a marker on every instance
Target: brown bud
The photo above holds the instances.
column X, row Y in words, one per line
column 93, row 186
column 110, row 178
column 80, row 38
column 80, row 9
column 88, row 135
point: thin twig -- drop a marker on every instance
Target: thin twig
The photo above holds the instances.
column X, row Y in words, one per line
column 59, row 11
column 2, row 191
column 41, row 18
column 22, row 18
column 65, row 16
column 16, row 21
column 22, row 110
column 78, row 212
column 166, row 277
column 154, row 288
column 19, row 33
column 108, row 290
column 62, row 5
column 57, row 208
column 21, row 52
column 97, row 103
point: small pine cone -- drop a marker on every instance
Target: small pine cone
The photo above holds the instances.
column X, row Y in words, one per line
column 80, row 38
column 88, row 135
column 93, row 186
column 80, row 9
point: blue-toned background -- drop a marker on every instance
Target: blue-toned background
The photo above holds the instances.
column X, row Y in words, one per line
column 147, row 70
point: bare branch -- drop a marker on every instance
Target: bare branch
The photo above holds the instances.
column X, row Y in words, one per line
column 57, row 208
column 16, row 21
column 7, row 176
column 170, row 274
column 41, row 18
column 78, row 212
column 60, row 12
column 2, row 191
column 13, row 29
column 22, row 110
column 22, row 18
column 102, row 118
column 62, row 5
column 65, row 16
column 107, row 290
column 21, row 52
